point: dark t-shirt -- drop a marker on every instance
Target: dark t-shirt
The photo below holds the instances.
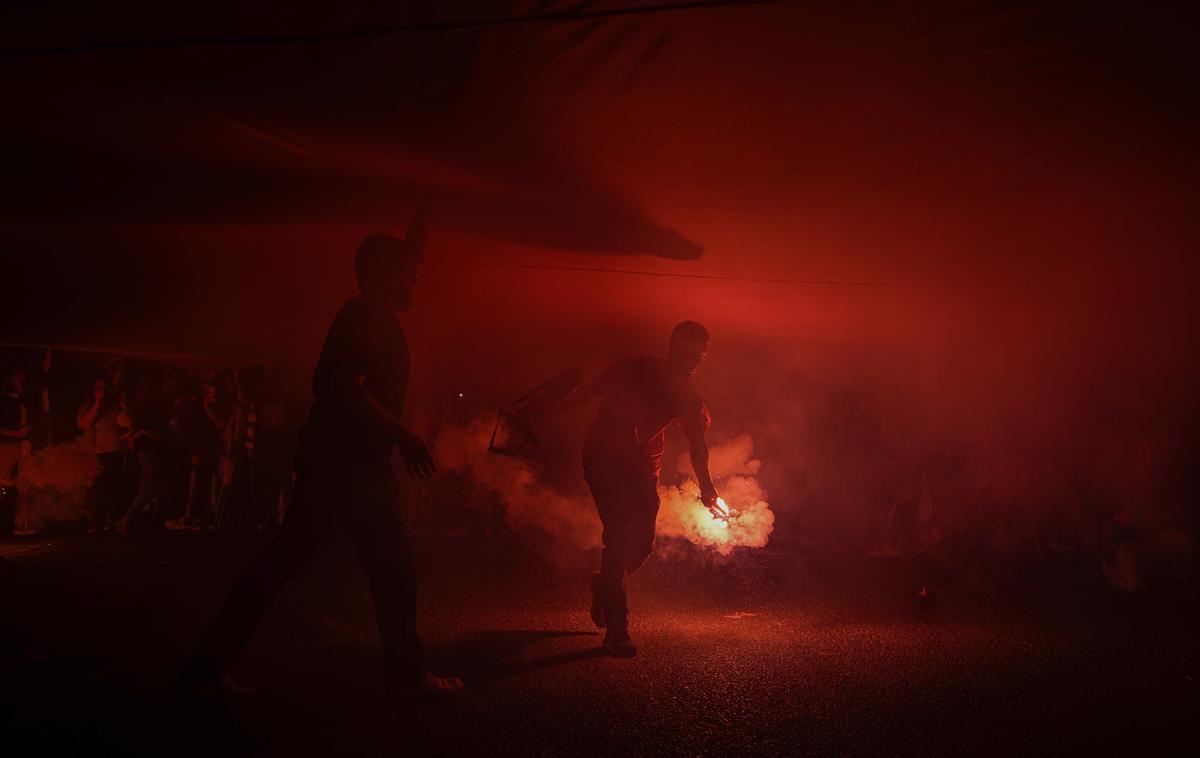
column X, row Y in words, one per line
column 363, row 342
column 199, row 434
column 639, row 404
column 12, row 416
column 150, row 414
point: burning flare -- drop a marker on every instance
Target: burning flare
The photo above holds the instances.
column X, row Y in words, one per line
column 740, row 518
column 722, row 513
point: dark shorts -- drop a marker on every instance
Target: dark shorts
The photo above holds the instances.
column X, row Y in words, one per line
column 627, row 500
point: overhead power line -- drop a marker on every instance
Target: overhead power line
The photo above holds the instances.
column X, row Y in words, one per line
column 730, row 278
column 549, row 17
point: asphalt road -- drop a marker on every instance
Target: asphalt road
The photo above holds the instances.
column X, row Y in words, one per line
column 779, row 651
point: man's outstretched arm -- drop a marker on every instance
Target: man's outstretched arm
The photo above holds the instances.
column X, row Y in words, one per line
column 695, row 428
column 581, row 396
column 698, row 452
column 585, row 393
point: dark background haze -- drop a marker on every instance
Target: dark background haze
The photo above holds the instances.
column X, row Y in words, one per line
column 952, row 232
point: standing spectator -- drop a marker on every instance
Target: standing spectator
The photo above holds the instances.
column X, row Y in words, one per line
column 236, row 505
column 152, row 439
column 219, row 406
column 41, row 432
column 101, row 422
column 197, row 422
column 14, row 445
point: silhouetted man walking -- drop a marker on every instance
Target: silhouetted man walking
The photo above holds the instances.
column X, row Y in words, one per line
column 344, row 478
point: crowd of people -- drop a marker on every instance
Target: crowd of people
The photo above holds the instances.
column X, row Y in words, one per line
column 178, row 450
column 168, row 448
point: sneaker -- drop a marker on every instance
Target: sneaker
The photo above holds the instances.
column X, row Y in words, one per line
column 428, row 688
column 597, row 607
column 619, row 645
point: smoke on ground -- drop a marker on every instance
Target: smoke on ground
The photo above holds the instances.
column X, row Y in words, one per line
column 530, row 506
column 55, row 481
column 535, row 509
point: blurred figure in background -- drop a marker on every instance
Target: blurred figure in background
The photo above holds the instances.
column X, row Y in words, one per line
column 220, row 406
column 105, row 428
column 201, row 440
column 235, row 505
column 14, row 444
column 152, row 437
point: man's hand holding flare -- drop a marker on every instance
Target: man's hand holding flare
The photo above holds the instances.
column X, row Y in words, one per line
column 716, row 505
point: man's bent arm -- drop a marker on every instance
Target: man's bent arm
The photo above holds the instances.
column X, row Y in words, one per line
column 365, row 409
column 581, row 396
column 86, row 417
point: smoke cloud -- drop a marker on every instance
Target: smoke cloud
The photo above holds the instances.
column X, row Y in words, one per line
column 532, row 508
column 735, row 470
column 55, row 480
column 535, row 509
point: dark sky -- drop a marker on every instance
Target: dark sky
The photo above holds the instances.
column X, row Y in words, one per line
column 1015, row 166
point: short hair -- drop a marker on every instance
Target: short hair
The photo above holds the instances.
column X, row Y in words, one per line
column 379, row 251
column 692, row 330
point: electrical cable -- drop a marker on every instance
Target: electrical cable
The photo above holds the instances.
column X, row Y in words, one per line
column 726, row 278
column 549, row 17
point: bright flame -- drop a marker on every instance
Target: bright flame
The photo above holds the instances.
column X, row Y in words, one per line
column 722, row 513
column 532, row 505
column 741, row 517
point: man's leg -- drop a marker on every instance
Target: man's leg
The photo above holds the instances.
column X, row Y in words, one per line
column 609, row 584
column 612, row 585
column 109, row 486
column 195, row 490
column 145, row 491
column 8, row 507
column 628, row 507
column 10, row 455
column 170, row 485
column 304, row 530
column 379, row 533
column 95, row 498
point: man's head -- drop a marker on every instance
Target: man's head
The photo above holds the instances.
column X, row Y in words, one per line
column 15, row 380
column 102, row 388
column 386, row 267
column 686, row 350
